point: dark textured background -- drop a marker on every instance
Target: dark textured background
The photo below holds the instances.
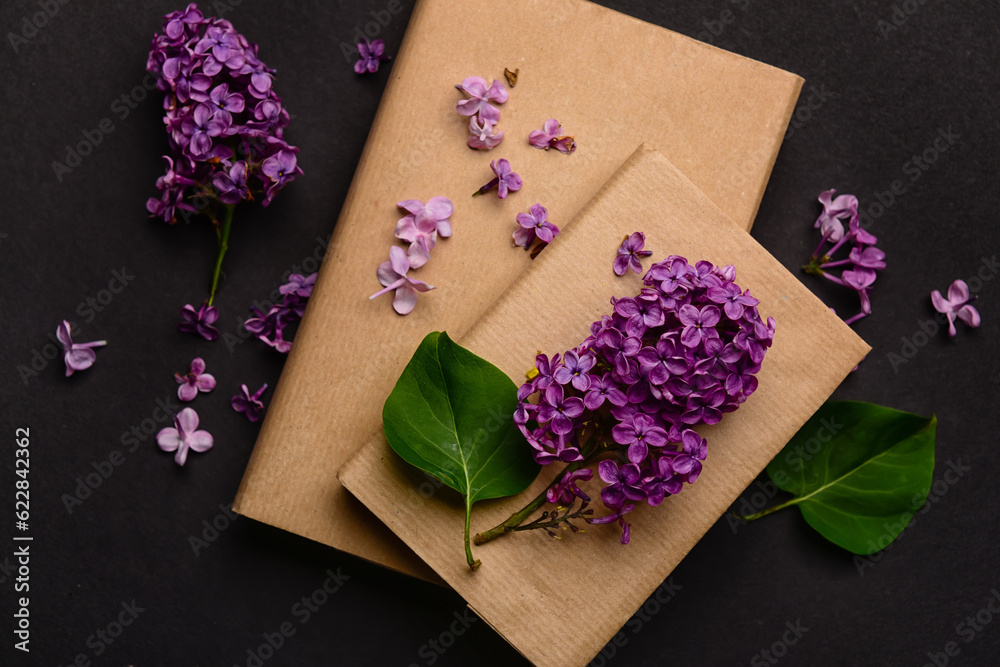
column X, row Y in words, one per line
column 885, row 97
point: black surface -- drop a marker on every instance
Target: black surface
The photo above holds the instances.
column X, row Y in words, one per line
column 61, row 241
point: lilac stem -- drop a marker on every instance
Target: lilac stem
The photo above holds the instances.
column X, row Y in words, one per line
column 389, row 288
column 830, row 276
column 839, row 262
column 486, row 188
column 227, row 223
column 836, row 246
column 851, row 320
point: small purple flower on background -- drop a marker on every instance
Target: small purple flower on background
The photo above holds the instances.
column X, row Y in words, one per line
column 483, row 134
column 78, row 356
column 194, row 381
column 630, row 252
column 249, row 404
column 299, row 285
column 534, row 224
column 199, row 321
column 480, row 98
column 438, row 209
column 541, row 138
column 549, row 137
column 392, row 275
column 506, row 180
column 834, row 210
column 372, row 53
column 957, row 305
column 183, row 436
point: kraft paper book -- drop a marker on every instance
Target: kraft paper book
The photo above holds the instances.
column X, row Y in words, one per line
column 528, row 580
column 613, row 82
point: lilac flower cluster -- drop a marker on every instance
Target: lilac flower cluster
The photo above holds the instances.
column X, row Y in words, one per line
column 484, row 116
column 223, row 118
column 859, row 269
column 269, row 327
column 682, row 352
column 550, row 136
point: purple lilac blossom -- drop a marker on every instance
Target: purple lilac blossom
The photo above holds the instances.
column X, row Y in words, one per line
column 957, row 305
column 664, row 362
column 194, row 381
column 270, row 327
column 505, row 181
column 534, row 224
column 392, row 275
column 249, row 404
column 481, row 99
column 78, row 356
column 199, row 321
column 858, row 270
column 630, row 253
column 224, row 122
column 371, row 54
column 550, row 137
column 184, row 436
column 483, row 134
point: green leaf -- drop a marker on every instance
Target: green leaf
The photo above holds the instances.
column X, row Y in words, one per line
column 858, row 471
column 450, row 415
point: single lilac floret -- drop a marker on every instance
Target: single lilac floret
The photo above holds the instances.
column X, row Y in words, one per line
column 78, row 356
column 957, row 305
column 249, row 404
column 194, row 381
column 184, row 436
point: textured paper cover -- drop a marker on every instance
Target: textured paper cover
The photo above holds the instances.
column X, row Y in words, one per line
column 528, row 582
column 613, row 82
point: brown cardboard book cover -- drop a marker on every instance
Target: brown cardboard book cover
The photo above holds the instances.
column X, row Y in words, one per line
column 527, row 580
column 613, row 82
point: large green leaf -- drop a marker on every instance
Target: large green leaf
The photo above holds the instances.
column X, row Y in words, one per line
column 858, row 471
column 450, row 415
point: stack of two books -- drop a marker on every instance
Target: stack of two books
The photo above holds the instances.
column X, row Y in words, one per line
column 622, row 88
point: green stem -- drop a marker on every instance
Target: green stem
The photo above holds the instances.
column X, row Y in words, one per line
column 473, row 563
column 227, row 223
column 757, row 515
column 592, row 450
